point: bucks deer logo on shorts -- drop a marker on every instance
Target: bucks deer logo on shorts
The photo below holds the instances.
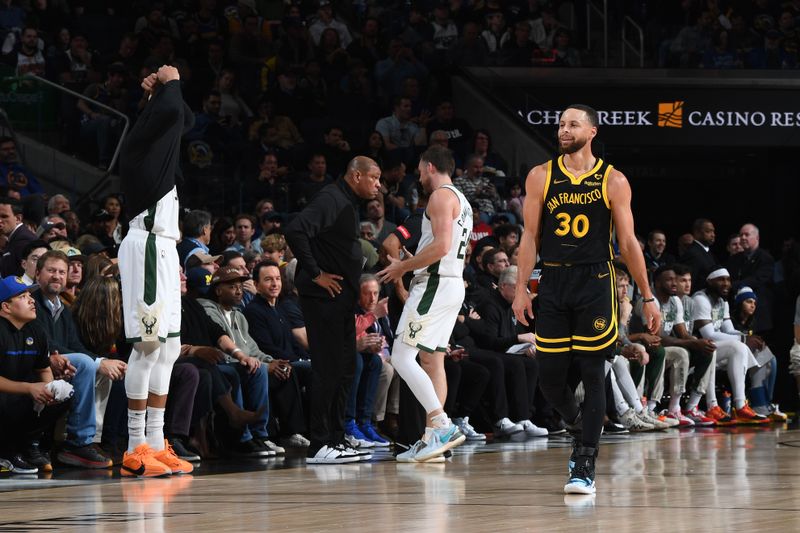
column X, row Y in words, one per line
column 600, row 323
column 149, row 323
column 413, row 329
column 149, row 317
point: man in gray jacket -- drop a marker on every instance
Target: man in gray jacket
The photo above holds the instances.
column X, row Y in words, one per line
column 225, row 295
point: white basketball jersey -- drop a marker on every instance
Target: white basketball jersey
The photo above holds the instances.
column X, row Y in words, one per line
column 453, row 263
column 162, row 218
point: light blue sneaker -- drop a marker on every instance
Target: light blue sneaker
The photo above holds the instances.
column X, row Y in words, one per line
column 439, row 440
column 411, row 455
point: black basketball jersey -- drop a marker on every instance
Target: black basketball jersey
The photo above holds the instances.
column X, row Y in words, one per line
column 576, row 216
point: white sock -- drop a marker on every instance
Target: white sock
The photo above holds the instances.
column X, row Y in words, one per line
column 155, row 427
column 135, row 429
column 694, row 400
column 738, row 404
column 675, row 403
column 651, row 405
column 440, row 421
column 638, row 408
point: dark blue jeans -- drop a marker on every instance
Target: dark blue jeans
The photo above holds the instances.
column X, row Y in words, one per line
column 365, row 384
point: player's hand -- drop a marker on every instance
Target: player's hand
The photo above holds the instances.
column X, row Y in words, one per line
column 652, row 317
column 209, row 354
column 280, row 368
column 40, row 394
column 522, row 307
column 150, row 83
column 707, row 346
column 329, row 282
column 393, row 272
column 251, row 364
column 113, row 369
column 381, row 308
column 167, row 73
column 754, row 342
column 526, row 337
column 651, row 341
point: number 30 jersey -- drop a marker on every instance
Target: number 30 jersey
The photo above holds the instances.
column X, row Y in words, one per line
column 576, row 225
column 451, row 265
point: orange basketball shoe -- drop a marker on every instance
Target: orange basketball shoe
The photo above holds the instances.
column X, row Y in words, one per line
column 746, row 415
column 142, row 462
column 720, row 417
column 172, row 461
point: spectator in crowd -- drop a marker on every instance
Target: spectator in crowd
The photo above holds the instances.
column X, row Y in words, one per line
column 734, row 245
column 57, row 204
column 325, row 20
column 16, row 235
column 245, row 229
column 52, row 228
column 309, row 183
column 762, row 377
column 395, row 189
column 74, row 67
column 493, row 163
column 445, row 31
column 478, row 188
column 398, row 130
column 508, row 235
column 223, row 235
column 28, row 406
column 654, row 253
column 27, row 56
column 754, row 268
column 237, row 260
column 496, row 33
column 698, row 256
column 226, row 295
column 274, row 246
column 376, row 215
column 233, row 109
column 19, row 181
column 100, row 226
column 564, row 54
column 30, row 258
column 98, row 124
column 269, row 327
column 501, row 334
column 70, row 359
column 118, row 227
column 336, row 150
column 519, row 50
column 400, row 64
column 73, row 224
column 196, row 234
column 458, row 130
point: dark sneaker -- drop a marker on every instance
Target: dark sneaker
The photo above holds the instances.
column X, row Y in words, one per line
column 16, row 464
column 251, row 449
column 581, row 478
column 183, row 451
column 35, row 456
column 83, row 456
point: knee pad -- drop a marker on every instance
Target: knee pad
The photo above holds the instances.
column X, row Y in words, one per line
column 794, row 360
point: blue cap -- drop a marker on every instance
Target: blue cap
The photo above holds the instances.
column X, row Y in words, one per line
column 198, row 278
column 11, row 286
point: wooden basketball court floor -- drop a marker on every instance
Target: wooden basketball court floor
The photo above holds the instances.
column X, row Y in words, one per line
column 736, row 479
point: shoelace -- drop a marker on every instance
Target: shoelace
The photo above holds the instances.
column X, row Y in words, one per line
column 581, row 472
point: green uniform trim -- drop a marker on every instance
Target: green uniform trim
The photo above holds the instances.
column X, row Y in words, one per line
column 150, row 260
column 430, row 289
column 425, row 348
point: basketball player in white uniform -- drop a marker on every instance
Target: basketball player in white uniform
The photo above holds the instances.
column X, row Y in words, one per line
column 435, row 297
column 150, row 272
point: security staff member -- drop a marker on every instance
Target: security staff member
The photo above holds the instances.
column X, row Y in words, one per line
column 324, row 238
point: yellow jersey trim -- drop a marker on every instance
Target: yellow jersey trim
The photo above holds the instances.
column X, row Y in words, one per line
column 579, row 179
column 547, row 180
column 605, row 186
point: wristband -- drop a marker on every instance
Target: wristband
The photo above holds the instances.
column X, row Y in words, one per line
column 648, row 300
column 236, row 350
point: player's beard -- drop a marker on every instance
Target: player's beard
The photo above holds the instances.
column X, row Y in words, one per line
column 576, row 145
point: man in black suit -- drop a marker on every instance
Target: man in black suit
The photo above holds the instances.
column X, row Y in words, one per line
column 16, row 234
column 754, row 267
column 698, row 256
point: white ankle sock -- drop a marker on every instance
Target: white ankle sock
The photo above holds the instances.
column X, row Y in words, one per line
column 694, row 400
column 155, row 427
column 440, row 421
column 675, row 403
column 135, row 429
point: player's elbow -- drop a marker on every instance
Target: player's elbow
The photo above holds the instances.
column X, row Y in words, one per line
column 442, row 249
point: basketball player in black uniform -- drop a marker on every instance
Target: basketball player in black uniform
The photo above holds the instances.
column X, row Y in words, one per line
column 574, row 204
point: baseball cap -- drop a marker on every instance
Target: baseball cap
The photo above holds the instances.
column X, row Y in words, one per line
column 92, row 248
column 198, row 278
column 11, row 286
column 226, row 274
column 47, row 226
column 71, row 252
column 199, row 257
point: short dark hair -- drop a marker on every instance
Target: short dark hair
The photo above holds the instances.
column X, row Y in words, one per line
column 195, row 221
column 228, row 256
column 591, row 114
column 6, row 139
column 653, row 233
column 680, row 269
column 661, row 269
column 488, row 257
column 16, row 207
column 698, row 224
column 212, row 92
column 441, row 158
column 245, row 216
column 31, row 246
column 261, row 265
column 504, row 230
